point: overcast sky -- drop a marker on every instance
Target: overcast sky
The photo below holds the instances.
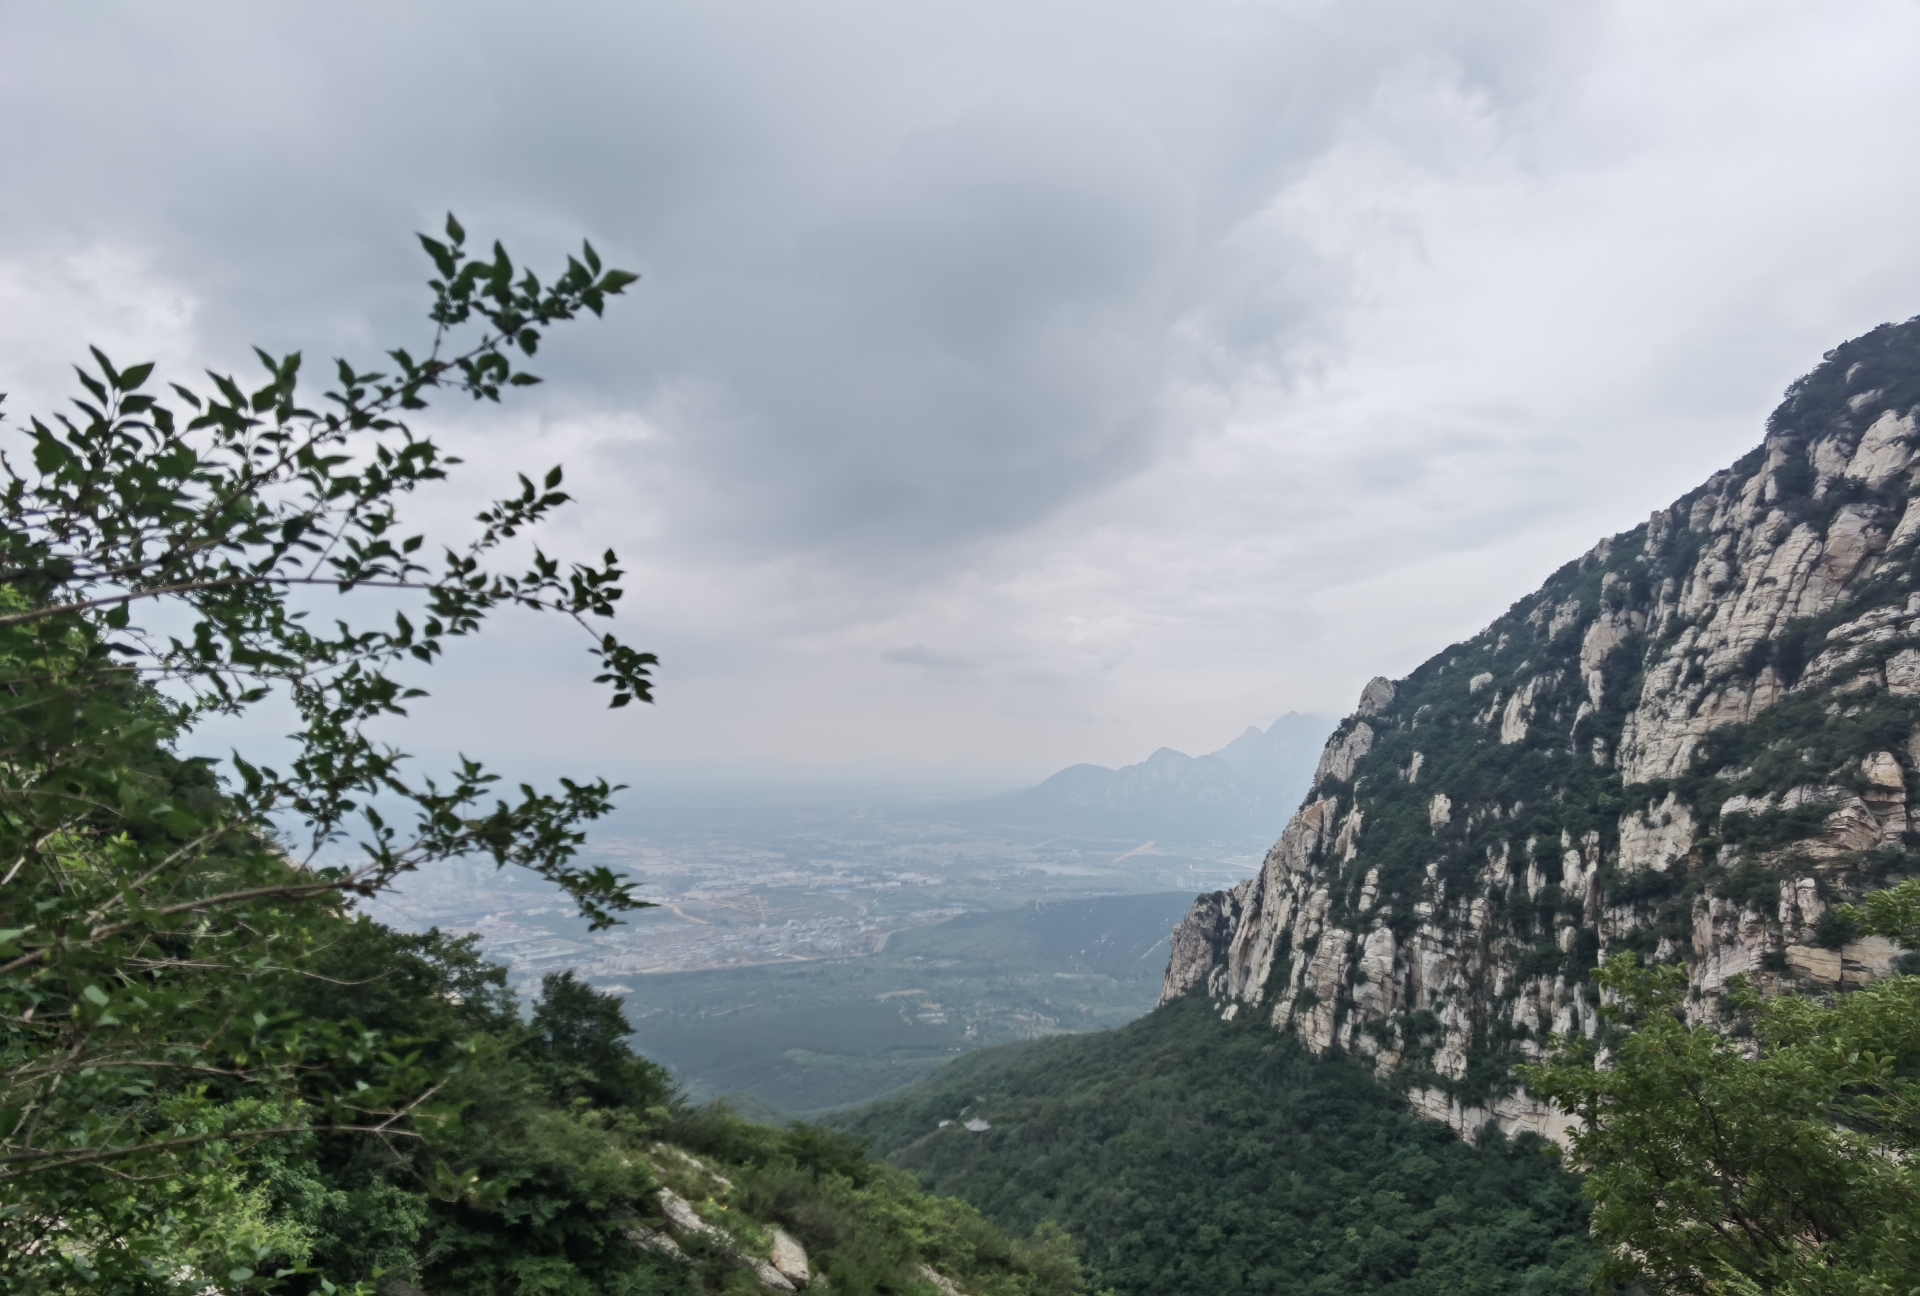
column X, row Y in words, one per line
column 1009, row 383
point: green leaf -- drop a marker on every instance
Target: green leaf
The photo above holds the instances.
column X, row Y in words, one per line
column 443, row 259
column 106, row 366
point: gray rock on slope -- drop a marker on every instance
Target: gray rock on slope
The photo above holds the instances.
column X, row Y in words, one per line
column 790, row 1258
column 1690, row 743
column 685, row 1222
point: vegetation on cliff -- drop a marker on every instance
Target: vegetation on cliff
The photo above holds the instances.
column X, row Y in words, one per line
column 1714, row 1166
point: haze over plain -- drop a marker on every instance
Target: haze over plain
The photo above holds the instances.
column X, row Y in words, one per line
column 1008, row 385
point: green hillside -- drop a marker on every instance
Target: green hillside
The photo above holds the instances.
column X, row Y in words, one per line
column 1190, row 1155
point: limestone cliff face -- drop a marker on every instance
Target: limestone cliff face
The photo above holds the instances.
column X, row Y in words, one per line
column 1690, row 743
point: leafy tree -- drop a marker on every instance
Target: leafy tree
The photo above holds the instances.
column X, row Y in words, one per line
column 1787, row 1160
column 579, row 1043
column 166, row 557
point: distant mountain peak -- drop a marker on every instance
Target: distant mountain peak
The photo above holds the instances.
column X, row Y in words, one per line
column 1247, row 788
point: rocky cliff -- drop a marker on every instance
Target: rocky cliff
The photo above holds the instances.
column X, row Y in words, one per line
column 1690, row 743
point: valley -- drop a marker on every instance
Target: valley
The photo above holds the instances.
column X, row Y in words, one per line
column 812, row 947
column 804, row 1037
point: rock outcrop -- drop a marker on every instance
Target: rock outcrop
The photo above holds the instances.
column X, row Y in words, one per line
column 1691, row 743
column 786, row 1267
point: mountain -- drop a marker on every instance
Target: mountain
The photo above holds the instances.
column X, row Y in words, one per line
column 1691, row 743
column 1247, row 788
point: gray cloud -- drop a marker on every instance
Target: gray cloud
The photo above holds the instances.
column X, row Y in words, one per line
column 967, row 342
column 928, row 658
column 913, row 280
column 1169, row 365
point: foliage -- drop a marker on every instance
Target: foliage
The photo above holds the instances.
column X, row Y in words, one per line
column 1189, row 1154
column 1715, row 1168
column 822, row 1185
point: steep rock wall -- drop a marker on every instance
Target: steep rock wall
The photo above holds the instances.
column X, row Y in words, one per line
column 1690, row 743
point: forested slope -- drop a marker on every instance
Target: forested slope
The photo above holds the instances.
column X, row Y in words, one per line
column 1191, row 1155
